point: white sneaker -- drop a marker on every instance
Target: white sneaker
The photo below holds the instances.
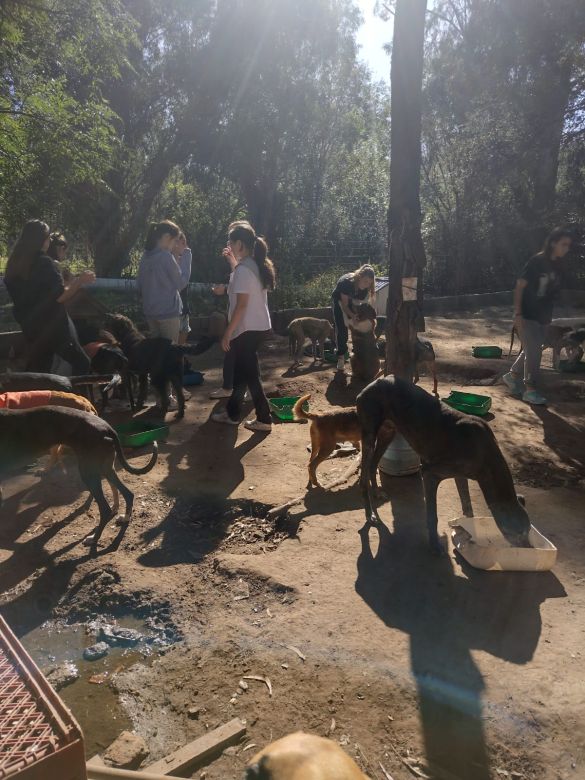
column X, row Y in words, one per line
column 256, row 425
column 223, row 417
column 221, row 392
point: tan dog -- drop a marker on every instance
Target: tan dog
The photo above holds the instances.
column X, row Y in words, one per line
column 302, row 756
column 304, row 328
column 334, row 427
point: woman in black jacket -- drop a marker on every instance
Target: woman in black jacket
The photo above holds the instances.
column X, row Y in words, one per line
column 38, row 292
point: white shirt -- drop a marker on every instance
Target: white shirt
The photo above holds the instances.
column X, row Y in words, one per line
column 246, row 279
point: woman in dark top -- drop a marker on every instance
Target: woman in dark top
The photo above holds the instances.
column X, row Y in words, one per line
column 359, row 285
column 35, row 285
column 534, row 297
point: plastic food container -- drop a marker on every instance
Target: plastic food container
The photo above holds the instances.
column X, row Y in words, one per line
column 482, row 544
column 282, row 407
column 470, row 403
column 192, row 378
column 137, row 433
column 486, row 352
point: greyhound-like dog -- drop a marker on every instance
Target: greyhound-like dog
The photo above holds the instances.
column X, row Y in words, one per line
column 450, row 445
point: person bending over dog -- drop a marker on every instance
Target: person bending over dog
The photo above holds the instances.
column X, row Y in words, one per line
column 35, row 285
column 249, row 324
column 534, row 296
column 450, row 445
column 351, row 289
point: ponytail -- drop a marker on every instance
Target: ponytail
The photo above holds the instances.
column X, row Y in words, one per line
column 258, row 249
column 264, row 263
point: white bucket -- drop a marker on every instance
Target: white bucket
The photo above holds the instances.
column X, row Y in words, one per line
column 400, row 459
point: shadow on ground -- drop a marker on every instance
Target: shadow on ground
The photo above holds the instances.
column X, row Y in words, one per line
column 447, row 617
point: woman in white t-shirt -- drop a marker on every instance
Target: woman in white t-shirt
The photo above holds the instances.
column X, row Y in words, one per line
column 249, row 324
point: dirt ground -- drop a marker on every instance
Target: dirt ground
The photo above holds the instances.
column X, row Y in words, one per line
column 421, row 665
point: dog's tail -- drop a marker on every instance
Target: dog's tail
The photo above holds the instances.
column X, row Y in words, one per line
column 298, row 411
column 204, row 343
column 128, row 466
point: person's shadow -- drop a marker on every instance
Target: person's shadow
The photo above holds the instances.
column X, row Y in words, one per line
column 447, row 616
column 204, row 469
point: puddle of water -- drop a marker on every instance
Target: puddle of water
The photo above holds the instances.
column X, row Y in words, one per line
column 95, row 706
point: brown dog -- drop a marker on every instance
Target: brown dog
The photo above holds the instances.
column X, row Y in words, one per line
column 334, row 427
column 365, row 360
column 304, row 328
column 302, row 756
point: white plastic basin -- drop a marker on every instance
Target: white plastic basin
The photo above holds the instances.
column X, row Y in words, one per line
column 482, row 544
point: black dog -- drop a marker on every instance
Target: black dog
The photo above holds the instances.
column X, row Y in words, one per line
column 106, row 356
column 157, row 357
column 32, row 432
column 450, row 445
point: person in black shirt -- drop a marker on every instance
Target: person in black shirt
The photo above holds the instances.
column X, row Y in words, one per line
column 356, row 286
column 38, row 292
column 534, row 296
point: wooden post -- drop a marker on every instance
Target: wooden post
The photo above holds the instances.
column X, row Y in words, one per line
column 406, row 253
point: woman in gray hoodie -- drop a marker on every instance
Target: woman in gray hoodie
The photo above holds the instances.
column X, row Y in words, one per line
column 161, row 279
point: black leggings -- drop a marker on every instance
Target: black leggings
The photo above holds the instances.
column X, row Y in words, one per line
column 43, row 349
column 247, row 375
column 228, row 370
column 341, row 333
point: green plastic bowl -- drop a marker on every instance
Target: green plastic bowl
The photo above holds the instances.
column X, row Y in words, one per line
column 572, row 368
column 282, row 407
column 470, row 403
column 137, row 433
column 331, row 357
column 487, row 352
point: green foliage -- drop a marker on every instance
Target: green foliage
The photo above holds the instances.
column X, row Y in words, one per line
column 115, row 112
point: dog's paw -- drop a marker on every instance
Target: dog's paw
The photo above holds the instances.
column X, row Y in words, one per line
column 121, row 520
column 89, row 540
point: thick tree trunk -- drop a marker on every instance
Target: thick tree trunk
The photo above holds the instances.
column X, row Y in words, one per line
column 406, row 250
column 548, row 136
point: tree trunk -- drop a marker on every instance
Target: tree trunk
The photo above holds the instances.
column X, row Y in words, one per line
column 406, row 256
column 548, row 137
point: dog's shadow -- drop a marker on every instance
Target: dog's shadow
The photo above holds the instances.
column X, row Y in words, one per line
column 446, row 616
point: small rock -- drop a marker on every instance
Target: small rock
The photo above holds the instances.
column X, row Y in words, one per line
column 94, row 652
column 62, row 675
column 194, row 712
column 128, row 751
column 243, row 685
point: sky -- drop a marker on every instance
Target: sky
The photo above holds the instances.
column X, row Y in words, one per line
column 372, row 36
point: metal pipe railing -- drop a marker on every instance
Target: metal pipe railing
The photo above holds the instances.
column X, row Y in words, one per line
column 109, row 772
